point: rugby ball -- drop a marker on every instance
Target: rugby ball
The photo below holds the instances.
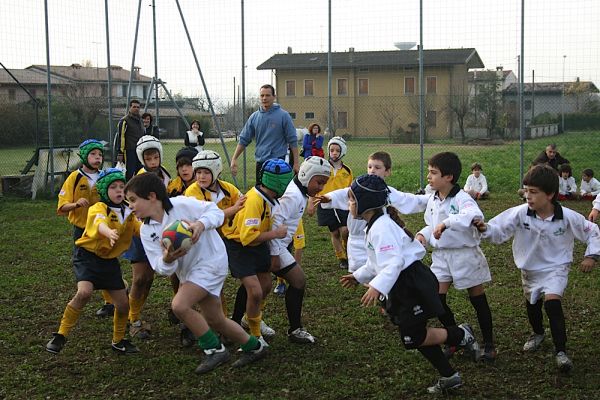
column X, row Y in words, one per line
column 177, row 235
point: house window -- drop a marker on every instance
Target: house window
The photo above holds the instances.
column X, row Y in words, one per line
column 290, row 88
column 342, row 87
column 342, row 119
column 527, row 104
column 11, row 94
column 431, row 118
column 293, row 115
column 363, row 87
column 309, row 115
column 309, row 87
column 409, row 85
column 431, row 85
column 124, row 89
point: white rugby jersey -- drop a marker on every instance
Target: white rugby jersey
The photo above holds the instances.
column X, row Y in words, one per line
column 543, row 243
column 477, row 184
column 289, row 212
column 593, row 186
column 596, row 203
column 208, row 252
column 457, row 212
column 566, row 186
column 389, row 251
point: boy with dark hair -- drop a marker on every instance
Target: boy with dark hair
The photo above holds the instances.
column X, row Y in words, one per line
column 590, row 186
column 544, row 233
column 567, row 188
column 476, row 185
column 185, row 172
column 201, row 269
column 456, row 257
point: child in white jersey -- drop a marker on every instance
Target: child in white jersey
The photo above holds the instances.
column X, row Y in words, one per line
column 394, row 271
column 380, row 164
column 456, row 257
column 595, row 209
column 544, row 233
column 567, row 188
column 201, row 269
column 476, row 185
column 590, row 186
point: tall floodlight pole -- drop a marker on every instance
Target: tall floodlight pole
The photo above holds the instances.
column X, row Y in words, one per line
column 243, row 106
column 329, row 76
column 135, row 38
column 521, row 86
column 155, row 62
column 109, row 91
column 49, row 90
column 421, row 98
column 562, row 98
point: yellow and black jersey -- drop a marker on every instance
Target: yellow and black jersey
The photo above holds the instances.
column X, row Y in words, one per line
column 164, row 175
column 176, row 187
column 225, row 198
column 124, row 221
column 77, row 186
column 252, row 220
column 338, row 179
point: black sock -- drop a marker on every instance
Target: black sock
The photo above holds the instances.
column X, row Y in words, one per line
column 436, row 357
column 534, row 313
column 293, row 305
column 240, row 304
column 556, row 317
column 455, row 335
column 484, row 317
column 447, row 319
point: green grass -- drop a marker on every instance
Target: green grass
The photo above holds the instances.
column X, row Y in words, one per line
column 358, row 354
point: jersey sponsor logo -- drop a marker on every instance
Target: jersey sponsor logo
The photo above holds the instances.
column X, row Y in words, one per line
column 370, row 246
column 407, row 340
column 99, row 217
column 559, row 232
column 417, row 309
column 526, row 226
column 83, row 187
column 62, row 192
column 252, row 222
column 387, row 247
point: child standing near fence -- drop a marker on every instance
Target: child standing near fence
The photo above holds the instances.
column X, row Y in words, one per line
column 109, row 228
column 544, row 233
column 394, row 272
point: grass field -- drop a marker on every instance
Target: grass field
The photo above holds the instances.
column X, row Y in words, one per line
column 358, row 354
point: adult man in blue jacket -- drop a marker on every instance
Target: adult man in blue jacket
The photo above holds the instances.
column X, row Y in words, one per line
column 272, row 128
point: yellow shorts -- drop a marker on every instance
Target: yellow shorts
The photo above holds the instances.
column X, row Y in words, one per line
column 299, row 240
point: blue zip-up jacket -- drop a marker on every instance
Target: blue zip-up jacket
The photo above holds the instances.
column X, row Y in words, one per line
column 273, row 131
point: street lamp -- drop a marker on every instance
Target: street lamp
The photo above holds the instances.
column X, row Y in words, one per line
column 562, row 98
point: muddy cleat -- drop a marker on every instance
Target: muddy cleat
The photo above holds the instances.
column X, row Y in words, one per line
column 469, row 343
column 563, row 362
column 343, row 263
column 265, row 330
column 445, row 384
column 534, row 342
column 56, row 344
column 251, row 356
column 186, row 337
column 449, row 351
column 212, row 359
column 140, row 329
column 125, row 347
column 280, row 289
column 488, row 354
column 107, row 310
column 300, row 335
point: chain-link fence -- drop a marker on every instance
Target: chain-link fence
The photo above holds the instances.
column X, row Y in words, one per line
column 203, row 60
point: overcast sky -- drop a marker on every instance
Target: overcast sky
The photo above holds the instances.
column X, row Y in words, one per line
column 553, row 28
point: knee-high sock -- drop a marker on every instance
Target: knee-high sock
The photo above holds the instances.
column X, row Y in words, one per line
column 341, row 255
column 239, row 308
column 135, row 308
column 69, row 319
column 455, row 335
column 293, row 305
column 556, row 317
column 448, row 318
column 254, row 325
column 484, row 317
column 534, row 313
column 435, row 356
column 119, row 325
column 106, row 297
column 209, row 340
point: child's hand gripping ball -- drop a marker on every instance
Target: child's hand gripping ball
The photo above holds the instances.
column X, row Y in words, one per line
column 177, row 235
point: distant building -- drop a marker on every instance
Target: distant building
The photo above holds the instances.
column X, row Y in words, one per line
column 373, row 91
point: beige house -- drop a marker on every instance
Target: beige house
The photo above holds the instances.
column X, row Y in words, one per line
column 374, row 92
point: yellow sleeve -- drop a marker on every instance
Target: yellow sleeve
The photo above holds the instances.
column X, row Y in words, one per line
column 249, row 221
column 66, row 193
column 195, row 191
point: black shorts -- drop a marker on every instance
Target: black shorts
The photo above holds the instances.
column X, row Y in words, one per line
column 414, row 297
column 247, row 260
column 103, row 273
column 333, row 218
column 77, row 233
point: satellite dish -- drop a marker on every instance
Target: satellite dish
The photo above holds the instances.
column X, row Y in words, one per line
column 405, row 45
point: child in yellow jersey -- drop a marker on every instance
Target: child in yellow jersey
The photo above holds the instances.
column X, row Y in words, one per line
column 78, row 194
column 109, row 228
column 246, row 239
column 185, row 172
column 150, row 153
column 335, row 219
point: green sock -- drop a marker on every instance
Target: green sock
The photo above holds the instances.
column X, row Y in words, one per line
column 209, row 340
column 251, row 344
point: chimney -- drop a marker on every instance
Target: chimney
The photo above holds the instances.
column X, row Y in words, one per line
column 136, row 72
column 289, row 50
column 116, row 67
column 76, row 66
column 351, row 49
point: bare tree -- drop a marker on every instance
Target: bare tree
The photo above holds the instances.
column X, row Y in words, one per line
column 387, row 114
column 459, row 107
column 85, row 104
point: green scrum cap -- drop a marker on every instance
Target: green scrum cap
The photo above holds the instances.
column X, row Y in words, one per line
column 275, row 175
column 106, row 178
column 86, row 148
